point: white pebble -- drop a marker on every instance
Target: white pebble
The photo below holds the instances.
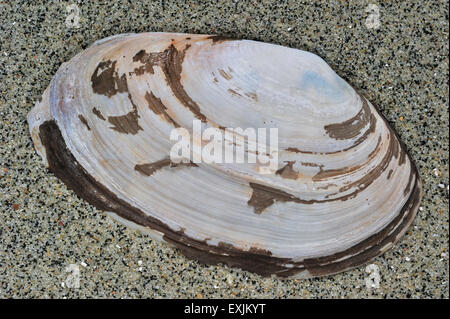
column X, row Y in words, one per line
column 230, row 279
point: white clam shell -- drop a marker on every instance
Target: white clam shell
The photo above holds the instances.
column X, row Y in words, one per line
column 344, row 192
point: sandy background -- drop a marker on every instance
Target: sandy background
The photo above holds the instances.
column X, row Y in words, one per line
column 402, row 67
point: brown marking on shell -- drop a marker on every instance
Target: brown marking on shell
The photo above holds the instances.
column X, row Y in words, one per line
column 364, row 182
column 149, row 169
column 155, row 104
column 311, row 164
column 296, row 150
column 362, row 138
column 375, row 150
column 260, row 251
column 224, row 74
column 128, row 123
column 172, row 69
column 390, row 173
column 224, row 245
column 376, row 172
column 325, row 174
column 233, row 92
column 84, row 121
column 219, row 39
column 98, row 114
column 402, row 158
column 108, row 81
column 408, row 186
column 287, row 171
column 395, row 146
column 264, row 196
column 149, row 60
column 400, row 153
column 253, row 96
column 370, row 130
column 351, row 127
column 338, row 130
column 62, row 163
column 170, row 61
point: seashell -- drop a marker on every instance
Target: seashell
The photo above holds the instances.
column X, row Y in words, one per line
column 343, row 191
